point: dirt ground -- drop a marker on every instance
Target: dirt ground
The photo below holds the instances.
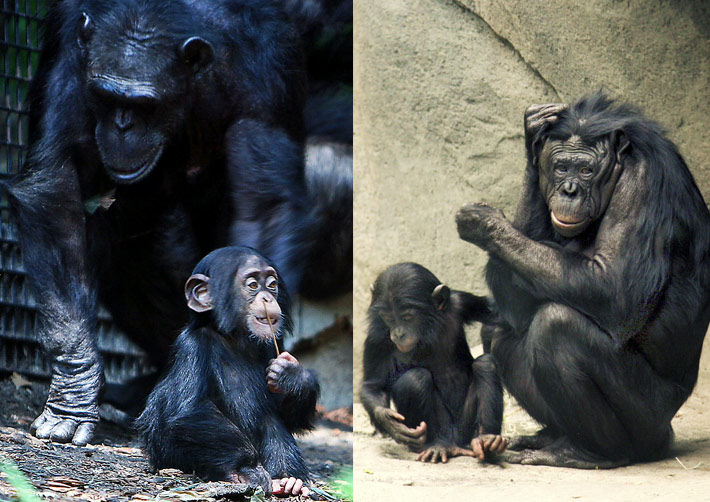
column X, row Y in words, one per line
column 114, row 469
column 386, row 471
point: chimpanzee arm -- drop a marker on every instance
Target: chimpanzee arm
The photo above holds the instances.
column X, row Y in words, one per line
column 268, row 186
column 298, row 389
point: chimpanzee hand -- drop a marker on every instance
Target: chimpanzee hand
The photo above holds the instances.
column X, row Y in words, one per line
column 284, row 375
column 254, row 476
column 477, row 223
column 440, row 452
column 71, row 411
column 486, row 444
column 391, row 422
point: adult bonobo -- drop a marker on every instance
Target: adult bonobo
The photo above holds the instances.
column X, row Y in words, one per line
column 602, row 284
column 159, row 131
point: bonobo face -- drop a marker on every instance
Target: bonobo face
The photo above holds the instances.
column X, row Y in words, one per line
column 576, row 182
column 403, row 327
column 135, row 79
column 257, row 284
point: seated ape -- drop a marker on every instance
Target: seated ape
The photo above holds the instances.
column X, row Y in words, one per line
column 227, row 409
column 602, row 285
column 416, row 354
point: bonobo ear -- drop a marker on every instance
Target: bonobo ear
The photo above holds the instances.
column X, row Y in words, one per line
column 621, row 145
column 85, row 30
column 197, row 293
column 197, row 53
column 441, row 296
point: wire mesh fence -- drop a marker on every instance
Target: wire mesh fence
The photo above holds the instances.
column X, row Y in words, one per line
column 22, row 23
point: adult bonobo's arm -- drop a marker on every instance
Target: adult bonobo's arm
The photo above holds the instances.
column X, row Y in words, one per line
column 268, row 186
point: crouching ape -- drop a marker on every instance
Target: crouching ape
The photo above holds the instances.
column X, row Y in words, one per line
column 227, row 409
column 602, row 284
column 416, row 354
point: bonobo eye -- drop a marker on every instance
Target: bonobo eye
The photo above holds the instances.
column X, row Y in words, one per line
column 560, row 169
column 271, row 282
column 407, row 317
column 251, row 283
column 386, row 317
column 585, row 171
column 86, row 29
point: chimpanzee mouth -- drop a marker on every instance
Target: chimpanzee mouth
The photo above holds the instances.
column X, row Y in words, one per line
column 568, row 226
column 135, row 173
column 260, row 326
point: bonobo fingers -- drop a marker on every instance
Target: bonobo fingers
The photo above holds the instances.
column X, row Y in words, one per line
column 62, row 429
column 486, row 445
column 536, row 116
column 478, row 222
column 442, row 453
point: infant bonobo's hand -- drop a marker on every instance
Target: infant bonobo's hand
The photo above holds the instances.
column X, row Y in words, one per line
column 487, row 445
column 284, row 374
column 391, row 422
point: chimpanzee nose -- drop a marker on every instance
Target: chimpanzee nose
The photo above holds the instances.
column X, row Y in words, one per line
column 569, row 188
column 123, row 119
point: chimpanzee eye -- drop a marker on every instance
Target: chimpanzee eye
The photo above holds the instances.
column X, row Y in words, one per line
column 271, row 282
column 252, row 283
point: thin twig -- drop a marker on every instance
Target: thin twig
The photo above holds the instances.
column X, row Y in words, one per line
column 273, row 333
column 688, row 468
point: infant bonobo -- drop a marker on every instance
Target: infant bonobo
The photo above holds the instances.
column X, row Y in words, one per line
column 448, row 404
column 227, row 409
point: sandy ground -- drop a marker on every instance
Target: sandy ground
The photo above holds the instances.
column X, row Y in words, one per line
column 386, row 471
column 113, row 467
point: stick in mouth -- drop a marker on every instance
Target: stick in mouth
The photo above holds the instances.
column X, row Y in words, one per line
column 273, row 333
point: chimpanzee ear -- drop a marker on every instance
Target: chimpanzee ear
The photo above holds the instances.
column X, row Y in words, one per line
column 197, row 293
column 441, row 296
column 197, row 53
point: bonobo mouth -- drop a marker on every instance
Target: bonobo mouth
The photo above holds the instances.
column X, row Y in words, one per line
column 568, row 226
column 405, row 347
column 133, row 174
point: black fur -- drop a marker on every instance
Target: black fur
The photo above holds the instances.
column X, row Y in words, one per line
column 437, row 382
column 604, row 352
column 212, row 414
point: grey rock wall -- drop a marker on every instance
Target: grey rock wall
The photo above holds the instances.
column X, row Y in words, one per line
column 440, row 90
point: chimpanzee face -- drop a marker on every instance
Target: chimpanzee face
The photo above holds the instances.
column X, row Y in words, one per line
column 576, row 182
column 136, row 79
column 257, row 284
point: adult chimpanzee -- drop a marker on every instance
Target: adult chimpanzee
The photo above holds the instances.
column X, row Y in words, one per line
column 416, row 354
column 226, row 408
column 602, row 283
column 159, row 131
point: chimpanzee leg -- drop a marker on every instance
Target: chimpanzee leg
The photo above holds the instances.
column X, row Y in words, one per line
column 415, row 396
column 483, row 408
column 267, row 176
column 280, row 454
column 52, row 230
column 606, row 401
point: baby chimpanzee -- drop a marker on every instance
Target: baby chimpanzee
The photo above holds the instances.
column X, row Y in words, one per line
column 416, row 354
column 226, row 409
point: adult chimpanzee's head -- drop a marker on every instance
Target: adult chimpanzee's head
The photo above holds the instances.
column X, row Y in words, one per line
column 139, row 60
column 240, row 288
column 579, row 157
column 409, row 300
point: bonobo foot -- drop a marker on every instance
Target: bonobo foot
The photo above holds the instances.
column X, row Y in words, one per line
column 442, row 453
column 561, row 453
column 538, row 441
column 71, row 412
column 254, row 476
column 478, row 223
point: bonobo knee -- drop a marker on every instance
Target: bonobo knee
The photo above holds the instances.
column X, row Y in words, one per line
column 550, row 323
column 414, row 385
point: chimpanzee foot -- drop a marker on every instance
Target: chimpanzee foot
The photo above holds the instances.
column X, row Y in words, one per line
column 63, row 428
column 538, row 441
column 289, row 487
column 561, row 454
